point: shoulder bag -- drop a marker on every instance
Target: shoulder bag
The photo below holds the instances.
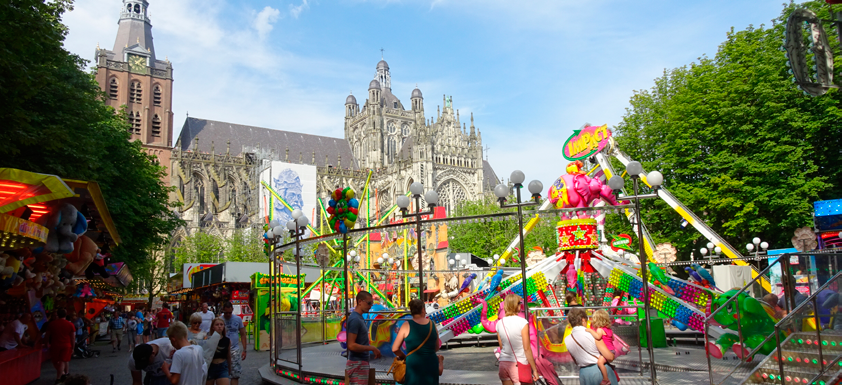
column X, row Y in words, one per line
column 524, row 372
column 398, row 368
column 597, row 358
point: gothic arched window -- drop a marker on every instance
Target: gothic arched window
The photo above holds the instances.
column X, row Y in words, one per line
column 134, row 122
column 392, row 127
column 156, row 125
column 199, row 186
column 113, row 87
column 136, row 93
column 156, row 95
column 392, row 149
column 405, row 130
column 451, row 194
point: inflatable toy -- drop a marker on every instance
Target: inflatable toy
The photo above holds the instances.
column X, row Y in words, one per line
column 343, row 210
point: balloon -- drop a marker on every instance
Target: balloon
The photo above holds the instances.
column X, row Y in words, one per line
column 343, row 209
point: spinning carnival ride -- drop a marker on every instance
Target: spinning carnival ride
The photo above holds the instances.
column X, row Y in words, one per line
column 587, row 266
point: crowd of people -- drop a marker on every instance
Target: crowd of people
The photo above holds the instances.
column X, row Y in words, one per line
column 207, row 352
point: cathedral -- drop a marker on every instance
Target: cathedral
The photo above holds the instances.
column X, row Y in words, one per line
column 215, row 166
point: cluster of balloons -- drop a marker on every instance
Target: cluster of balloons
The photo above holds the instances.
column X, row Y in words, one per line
column 343, row 210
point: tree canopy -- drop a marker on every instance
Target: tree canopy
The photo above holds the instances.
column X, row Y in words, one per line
column 56, row 122
column 737, row 143
column 484, row 239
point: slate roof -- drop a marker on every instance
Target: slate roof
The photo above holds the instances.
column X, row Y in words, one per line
column 489, row 175
column 249, row 139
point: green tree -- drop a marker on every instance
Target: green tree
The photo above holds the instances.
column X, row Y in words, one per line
column 150, row 276
column 737, row 142
column 56, row 122
column 245, row 245
column 484, row 239
column 199, row 247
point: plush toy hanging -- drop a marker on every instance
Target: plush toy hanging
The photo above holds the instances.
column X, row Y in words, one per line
column 343, row 210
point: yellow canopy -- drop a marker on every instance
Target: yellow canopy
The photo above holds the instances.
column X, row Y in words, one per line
column 19, row 188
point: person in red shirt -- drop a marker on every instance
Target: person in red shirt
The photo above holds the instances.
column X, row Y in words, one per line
column 164, row 317
column 60, row 337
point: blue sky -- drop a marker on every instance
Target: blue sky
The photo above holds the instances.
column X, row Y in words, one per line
column 530, row 71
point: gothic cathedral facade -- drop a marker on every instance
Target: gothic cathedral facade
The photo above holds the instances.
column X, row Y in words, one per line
column 403, row 146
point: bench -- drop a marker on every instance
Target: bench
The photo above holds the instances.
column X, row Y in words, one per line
column 20, row 366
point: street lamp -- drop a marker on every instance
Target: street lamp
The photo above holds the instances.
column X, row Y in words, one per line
column 654, row 179
column 502, row 191
column 756, row 245
column 432, row 199
column 297, row 227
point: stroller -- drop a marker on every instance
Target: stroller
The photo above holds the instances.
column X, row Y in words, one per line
column 81, row 349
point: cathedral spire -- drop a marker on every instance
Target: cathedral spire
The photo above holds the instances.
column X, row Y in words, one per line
column 473, row 129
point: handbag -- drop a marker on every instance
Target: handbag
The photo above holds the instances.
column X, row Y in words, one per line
column 597, row 358
column 398, row 368
column 524, row 372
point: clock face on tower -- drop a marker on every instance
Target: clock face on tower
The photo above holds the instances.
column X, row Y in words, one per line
column 137, row 64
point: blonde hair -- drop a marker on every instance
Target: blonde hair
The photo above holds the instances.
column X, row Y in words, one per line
column 600, row 319
column 224, row 328
column 177, row 330
column 195, row 317
column 511, row 305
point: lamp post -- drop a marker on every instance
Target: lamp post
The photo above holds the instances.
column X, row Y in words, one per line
column 432, row 199
column 502, row 191
column 756, row 245
column 297, row 227
column 654, row 179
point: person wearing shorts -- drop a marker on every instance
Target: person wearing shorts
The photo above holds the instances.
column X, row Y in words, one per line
column 359, row 348
column 60, row 337
column 147, row 327
column 131, row 331
column 116, row 324
column 163, row 318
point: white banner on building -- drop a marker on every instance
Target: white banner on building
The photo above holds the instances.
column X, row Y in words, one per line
column 296, row 184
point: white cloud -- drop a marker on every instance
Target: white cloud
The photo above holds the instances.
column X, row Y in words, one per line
column 296, row 10
column 263, row 21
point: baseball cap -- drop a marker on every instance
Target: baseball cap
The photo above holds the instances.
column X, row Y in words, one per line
column 141, row 355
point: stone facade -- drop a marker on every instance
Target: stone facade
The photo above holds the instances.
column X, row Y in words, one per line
column 398, row 146
column 403, row 146
column 133, row 77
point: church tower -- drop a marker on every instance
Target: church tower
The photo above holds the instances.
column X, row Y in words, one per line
column 132, row 76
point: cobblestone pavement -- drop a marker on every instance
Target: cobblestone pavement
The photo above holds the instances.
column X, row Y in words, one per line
column 100, row 369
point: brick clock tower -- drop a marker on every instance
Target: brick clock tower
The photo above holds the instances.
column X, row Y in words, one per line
column 132, row 76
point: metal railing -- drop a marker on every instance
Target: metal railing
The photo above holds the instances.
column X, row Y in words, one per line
column 788, row 281
column 811, row 301
column 784, row 261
